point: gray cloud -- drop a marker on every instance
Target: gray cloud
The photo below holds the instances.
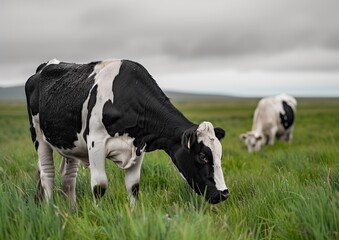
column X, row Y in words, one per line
column 242, row 34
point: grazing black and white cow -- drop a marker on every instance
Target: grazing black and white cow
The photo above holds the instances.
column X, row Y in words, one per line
column 273, row 118
column 114, row 109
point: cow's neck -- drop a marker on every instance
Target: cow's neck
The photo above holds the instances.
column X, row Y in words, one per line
column 163, row 126
column 141, row 109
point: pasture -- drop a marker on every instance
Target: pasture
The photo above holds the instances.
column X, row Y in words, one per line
column 286, row 191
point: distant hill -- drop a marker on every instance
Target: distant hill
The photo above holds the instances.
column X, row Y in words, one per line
column 18, row 94
column 13, row 93
column 195, row 96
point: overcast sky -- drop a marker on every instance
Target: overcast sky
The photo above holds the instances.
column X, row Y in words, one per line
column 245, row 48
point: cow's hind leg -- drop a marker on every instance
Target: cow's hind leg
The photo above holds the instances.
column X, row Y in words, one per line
column 68, row 172
column 45, row 178
column 45, row 175
column 132, row 178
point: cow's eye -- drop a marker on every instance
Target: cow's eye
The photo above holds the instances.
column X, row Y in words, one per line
column 203, row 157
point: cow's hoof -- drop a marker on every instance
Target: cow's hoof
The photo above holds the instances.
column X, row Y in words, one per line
column 98, row 191
column 135, row 190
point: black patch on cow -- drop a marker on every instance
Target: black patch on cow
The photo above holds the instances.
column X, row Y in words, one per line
column 91, row 103
column 62, row 91
column 202, row 148
column 32, row 96
column 92, row 144
column 32, row 100
column 141, row 109
column 135, row 190
column 36, row 144
column 110, row 119
column 32, row 130
column 287, row 118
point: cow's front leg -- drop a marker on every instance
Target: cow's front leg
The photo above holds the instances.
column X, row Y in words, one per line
column 68, row 172
column 132, row 178
column 271, row 136
column 97, row 157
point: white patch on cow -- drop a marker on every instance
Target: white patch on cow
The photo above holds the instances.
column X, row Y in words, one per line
column 121, row 151
column 35, row 119
column 97, row 157
column 97, row 132
column 53, row 61
column 206, row 134
column 105, row 69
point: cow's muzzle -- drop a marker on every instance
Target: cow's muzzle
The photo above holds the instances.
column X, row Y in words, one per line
column 221, row 196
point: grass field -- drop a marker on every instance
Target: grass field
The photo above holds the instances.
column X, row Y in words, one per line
column 286, row 191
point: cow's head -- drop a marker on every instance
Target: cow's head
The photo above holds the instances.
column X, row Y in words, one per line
column 252, row 140
column 199, row 161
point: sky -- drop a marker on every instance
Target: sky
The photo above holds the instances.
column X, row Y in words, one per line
column 243, row 48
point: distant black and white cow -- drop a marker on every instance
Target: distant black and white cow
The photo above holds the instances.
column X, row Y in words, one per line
column 273, row 118
column 114, row 109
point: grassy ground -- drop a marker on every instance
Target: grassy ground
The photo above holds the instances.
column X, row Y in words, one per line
column 283, row 192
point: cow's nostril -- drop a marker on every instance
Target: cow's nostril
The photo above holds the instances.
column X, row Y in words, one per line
column 225, row 193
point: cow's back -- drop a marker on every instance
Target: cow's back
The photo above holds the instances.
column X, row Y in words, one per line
column 277, row 111
column 265, row 114
column 57, row 93
column 291, row 101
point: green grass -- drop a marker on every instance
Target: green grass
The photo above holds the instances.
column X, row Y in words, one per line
column 286, row 191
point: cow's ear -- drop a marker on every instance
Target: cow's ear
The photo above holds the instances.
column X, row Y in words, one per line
column 243, row 136
column 188, row 138
column 219, row 133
